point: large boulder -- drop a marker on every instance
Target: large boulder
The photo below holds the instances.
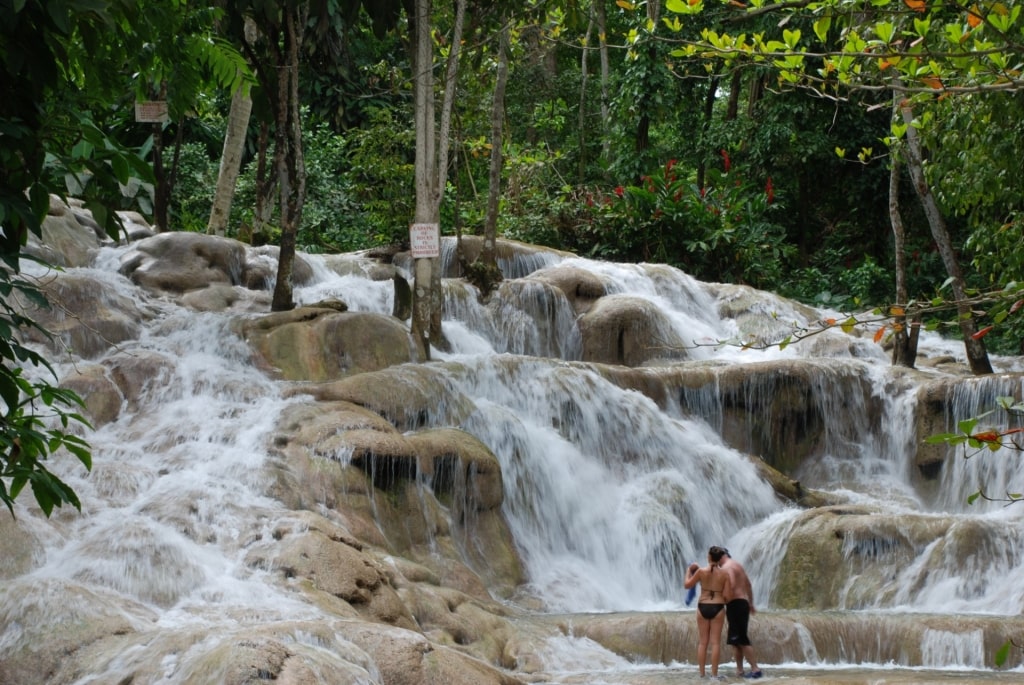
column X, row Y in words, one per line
column 85, row 318
column 631, row 331
column 582, row 288
column 415, row 494
column 68, row 238
column 179, row 262
column 323, row 342
column 408, row 396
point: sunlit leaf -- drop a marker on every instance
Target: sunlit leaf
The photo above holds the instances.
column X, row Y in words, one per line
column 879, row 334
column 625, row 5
column 916, row 5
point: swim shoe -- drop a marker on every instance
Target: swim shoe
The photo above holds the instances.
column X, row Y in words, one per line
column 753, row 674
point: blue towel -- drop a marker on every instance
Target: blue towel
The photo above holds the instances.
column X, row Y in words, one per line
column 690, row 594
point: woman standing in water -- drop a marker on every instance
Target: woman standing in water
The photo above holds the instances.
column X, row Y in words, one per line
column 710, row 607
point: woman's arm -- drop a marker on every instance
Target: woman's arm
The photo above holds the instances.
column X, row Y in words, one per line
column 692, row 576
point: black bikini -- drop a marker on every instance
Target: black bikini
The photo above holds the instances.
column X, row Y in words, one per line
column 709, row 611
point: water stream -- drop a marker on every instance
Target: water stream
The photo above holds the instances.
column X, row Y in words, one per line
column 608, row 495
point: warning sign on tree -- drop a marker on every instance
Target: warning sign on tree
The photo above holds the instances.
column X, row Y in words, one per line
column 425, row 240
column 151, row 111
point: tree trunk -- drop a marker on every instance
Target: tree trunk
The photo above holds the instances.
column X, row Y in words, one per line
column 441, row 172
column 265, row 185
column 432, row 149
column 602, row 41
column 732, row 110
column 904, row 349
column 709, row 112
column 291, row 168
column 230, row 161
column 162, row 191
column 581, row 121
column 423, row 78
column 494, row 181
column 977, row 357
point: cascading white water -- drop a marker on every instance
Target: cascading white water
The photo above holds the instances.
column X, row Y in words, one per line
column 607, row 494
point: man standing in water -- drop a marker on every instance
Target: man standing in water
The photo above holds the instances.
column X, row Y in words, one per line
column 739, row 605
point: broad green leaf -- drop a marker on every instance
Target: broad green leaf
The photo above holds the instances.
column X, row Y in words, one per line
column 967, row 426
column 821, row 27
column 885, row 31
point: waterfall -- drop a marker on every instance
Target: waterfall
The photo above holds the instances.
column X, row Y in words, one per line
column 614, row 479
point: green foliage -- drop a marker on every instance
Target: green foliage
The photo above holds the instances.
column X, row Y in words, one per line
column 333, row 219
column 35, row 416
column 720, row 232
column 836, row 281
column 382, row 175
column 192, row 195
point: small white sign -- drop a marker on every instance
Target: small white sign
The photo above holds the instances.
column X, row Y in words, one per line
column 151, row 111
column 425, row 240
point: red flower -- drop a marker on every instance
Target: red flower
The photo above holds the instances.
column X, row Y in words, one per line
column 703, row 191
column 726, row 162
column 619, row 190
column 668, row 167
column 769, row 190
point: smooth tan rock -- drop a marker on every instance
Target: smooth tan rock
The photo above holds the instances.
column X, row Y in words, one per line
column 626, row 330
column 85, row 319
column 177, row 262
column 322, row 344
column 99, row 392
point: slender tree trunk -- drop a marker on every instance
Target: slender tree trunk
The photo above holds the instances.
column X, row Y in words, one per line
column 291, row 168
column 494, row 182
column 162, row 191
column 732, row 110
column 426, row 207
column 265, row 185
column 904, row 349
column 441, row 172
column 581, row 122
column 977, row 356
column 602, row 41
column 709, row 111
column 230, row 161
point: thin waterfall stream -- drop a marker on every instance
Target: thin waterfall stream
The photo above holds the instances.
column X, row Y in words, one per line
column 613, row 480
